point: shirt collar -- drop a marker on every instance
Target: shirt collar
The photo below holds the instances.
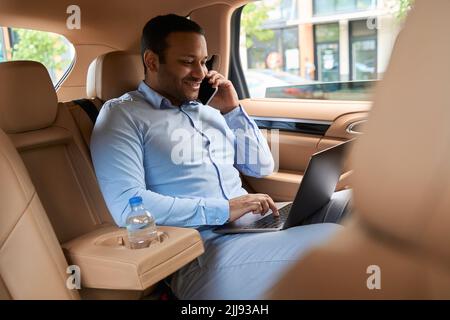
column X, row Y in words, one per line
column 153, row 98
column 158, row 101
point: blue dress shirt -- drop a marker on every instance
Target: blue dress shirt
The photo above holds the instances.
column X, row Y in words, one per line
column 183, row 161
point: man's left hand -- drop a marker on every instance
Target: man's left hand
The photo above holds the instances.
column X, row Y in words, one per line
column 226, row 98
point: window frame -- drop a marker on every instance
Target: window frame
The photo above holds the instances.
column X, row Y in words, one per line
column 235, row 73
column 238, row 77
column 67, row 71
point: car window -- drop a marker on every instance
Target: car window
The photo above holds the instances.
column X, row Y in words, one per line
column 54, row 51
column 319, row 49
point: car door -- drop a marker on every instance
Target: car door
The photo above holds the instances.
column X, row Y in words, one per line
column 297, row 129
column 325, row 61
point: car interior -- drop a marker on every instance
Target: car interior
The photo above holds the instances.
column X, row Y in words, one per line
column 53, row 214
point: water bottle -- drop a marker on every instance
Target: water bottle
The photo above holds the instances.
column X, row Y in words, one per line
column 141, row 226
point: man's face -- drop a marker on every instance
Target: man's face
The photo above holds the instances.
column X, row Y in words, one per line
column 183, row 69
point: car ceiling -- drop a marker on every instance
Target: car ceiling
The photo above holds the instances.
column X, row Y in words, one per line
column 114, row 23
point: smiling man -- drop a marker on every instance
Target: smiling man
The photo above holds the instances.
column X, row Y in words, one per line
column 133, row 145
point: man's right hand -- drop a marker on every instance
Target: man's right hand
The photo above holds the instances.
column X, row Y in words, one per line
column 257, row 203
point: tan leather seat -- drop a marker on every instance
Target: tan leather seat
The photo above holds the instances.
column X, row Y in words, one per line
column 32, row 264
column 52, row 149
column 113, row 74
column 401, row 183
column 82, row 121
column 109, row 76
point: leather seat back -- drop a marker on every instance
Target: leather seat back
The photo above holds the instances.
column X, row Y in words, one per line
column 32, row 264
column 109, row 76
column 401, row 181
column 52, row 149
column 113, row 74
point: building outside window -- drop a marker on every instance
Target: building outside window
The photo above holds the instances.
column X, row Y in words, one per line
column 280, row 53
column 290, row 49
column 2, row 47
column 324, row 7
column 363, row 44
column 281, row 11
column 326, row 39
column 308, row 42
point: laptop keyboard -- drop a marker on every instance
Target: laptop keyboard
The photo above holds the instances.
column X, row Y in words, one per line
column 271, row 221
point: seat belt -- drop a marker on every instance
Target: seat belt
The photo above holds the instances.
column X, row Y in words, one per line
column 89, row 107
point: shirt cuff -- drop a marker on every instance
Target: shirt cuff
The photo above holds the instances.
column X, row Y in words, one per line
column 218, row 211
column 238, row 118
column 233, row 113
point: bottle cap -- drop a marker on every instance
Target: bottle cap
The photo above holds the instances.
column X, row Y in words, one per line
column 135, row 201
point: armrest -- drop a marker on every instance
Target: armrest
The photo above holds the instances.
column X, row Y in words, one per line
column 283, row 185
column 106, row 262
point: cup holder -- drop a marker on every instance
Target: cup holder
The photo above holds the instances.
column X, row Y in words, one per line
column 119, row 239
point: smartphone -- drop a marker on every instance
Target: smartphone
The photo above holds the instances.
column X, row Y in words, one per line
column 206, row 92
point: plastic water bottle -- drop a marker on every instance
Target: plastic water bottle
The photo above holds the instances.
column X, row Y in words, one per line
column 141, row 226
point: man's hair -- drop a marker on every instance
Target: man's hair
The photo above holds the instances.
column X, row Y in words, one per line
column 157, row 30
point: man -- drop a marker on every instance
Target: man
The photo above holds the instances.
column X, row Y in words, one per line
column 136, row 146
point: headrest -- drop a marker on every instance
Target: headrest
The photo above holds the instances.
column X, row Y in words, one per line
column 402, row 162
column 28, row 99
column 113, row 74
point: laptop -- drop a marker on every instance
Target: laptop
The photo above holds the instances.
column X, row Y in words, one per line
column 315, row 191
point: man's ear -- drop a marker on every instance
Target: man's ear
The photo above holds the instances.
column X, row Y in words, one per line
column 151, row 60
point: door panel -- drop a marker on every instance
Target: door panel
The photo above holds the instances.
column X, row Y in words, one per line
column 295, row 147
column 320, row 110
column 294, row 150
column 347, row 126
